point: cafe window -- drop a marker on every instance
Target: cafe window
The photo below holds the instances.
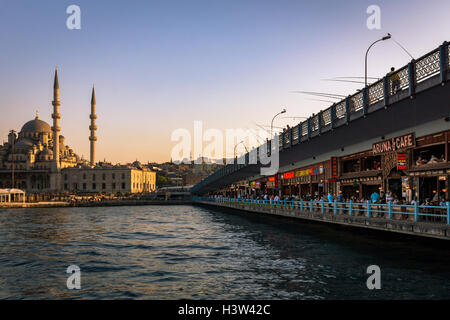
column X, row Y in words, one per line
column 371, row 163
column 429, row 155
column 351, row 166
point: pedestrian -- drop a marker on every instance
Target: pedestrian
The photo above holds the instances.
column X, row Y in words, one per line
column 395, row 80
column 375, row 197
column 330, row 197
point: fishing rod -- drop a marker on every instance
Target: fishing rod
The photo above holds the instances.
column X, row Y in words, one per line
column 321, row 94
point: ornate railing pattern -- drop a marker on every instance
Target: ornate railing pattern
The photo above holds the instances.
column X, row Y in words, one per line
column 356, row 102
column 295, row 133
column 304, row 128
column 287, row 138
column 376, row 92
column 427, row 66
column 340, row 110
column 326, row 117
column 315, row 123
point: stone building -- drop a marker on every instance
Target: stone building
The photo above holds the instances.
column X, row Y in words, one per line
column 115, row 179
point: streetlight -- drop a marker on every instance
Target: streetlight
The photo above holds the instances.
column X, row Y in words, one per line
column 365, row 66
column 271, row 125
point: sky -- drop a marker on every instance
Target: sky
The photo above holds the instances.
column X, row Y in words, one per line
column 159, row 66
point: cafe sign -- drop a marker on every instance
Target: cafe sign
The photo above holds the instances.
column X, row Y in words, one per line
column 394, row 144
column 401, row 161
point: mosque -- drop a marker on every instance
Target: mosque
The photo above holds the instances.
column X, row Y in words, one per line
column 37, row 160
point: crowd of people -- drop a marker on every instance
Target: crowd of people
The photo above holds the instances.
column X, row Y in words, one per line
column 375, row 197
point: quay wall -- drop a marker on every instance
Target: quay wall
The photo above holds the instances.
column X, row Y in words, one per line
column 109, row 203
column 422, row 229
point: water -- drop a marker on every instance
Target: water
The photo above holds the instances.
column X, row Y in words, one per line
column 186, row 252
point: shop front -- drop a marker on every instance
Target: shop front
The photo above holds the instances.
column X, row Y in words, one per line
column 429, row 168
column 360, row 175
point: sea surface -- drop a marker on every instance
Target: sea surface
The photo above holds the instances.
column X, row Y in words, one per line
column 188, row 252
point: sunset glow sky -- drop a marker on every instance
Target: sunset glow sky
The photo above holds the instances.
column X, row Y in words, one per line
column 161, row 65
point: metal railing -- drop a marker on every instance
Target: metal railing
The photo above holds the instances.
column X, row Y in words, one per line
column 411, row 212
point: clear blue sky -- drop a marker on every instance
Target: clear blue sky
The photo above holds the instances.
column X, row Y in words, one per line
column 160, row 65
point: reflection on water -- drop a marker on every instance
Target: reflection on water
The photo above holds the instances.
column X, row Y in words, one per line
column 185, row 252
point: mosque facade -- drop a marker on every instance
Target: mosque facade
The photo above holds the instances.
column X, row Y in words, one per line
column 37, row 160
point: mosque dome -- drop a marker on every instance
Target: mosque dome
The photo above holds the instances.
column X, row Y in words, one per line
column 36, row 126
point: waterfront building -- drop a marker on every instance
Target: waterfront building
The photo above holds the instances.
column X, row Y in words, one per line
column 37, row 160
column 124, row 179
column 11, row 195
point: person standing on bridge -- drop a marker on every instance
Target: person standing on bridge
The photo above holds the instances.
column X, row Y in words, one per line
column 395, row 80
column 330, row 197
column 375, row 197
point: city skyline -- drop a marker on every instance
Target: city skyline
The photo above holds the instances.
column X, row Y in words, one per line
column 202, row 61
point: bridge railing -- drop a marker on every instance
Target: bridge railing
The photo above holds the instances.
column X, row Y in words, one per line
column 414, row 212
column 381, row 92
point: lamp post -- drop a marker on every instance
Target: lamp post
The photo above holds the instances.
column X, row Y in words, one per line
column 365, row 65
column 271, row 125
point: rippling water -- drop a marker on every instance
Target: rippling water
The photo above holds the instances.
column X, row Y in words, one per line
column 186, row 252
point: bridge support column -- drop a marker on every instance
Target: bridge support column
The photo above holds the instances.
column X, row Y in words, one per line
column 386, row 91
column 412, row 78
column 365, row 92
column 443, row 58
column 347, row 109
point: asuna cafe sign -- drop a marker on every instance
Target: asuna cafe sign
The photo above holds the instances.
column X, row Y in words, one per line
column 394, row 144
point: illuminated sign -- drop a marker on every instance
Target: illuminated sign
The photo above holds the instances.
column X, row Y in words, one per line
column 401, row 161
column 394, row 144
column 334, row 167
column 271, row 178
column 288, row 175
column 304, row 172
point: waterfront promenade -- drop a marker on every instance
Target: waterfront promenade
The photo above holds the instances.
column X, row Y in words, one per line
column 424, row 221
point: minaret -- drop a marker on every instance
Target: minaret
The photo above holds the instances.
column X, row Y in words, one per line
column 56, row 116
column 93, row 128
